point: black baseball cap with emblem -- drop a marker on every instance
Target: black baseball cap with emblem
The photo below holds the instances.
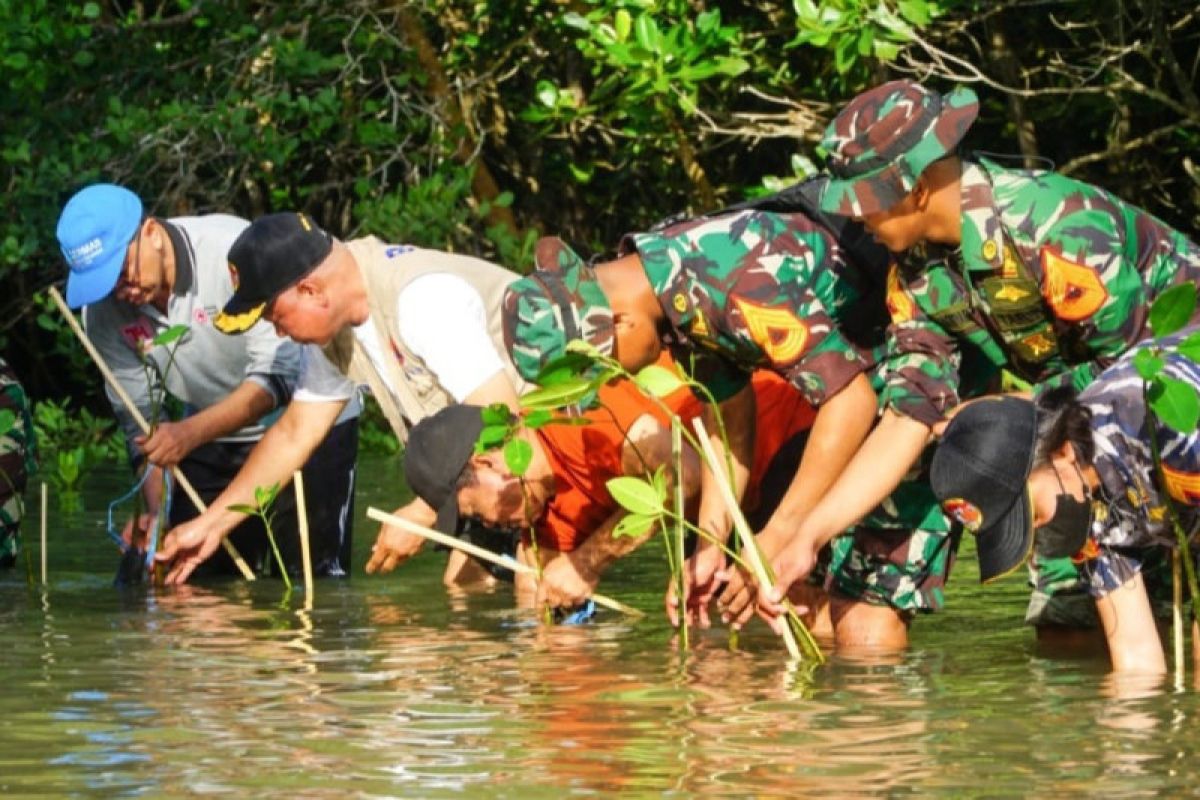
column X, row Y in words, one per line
column 267, row 258
column 979, row 475
column 438, row 449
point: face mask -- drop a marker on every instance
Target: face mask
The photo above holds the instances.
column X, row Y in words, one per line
column 1067, row 531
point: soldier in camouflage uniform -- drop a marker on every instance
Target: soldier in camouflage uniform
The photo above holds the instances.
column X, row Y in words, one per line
column 1082, row 484
column 16, row 460
column 730, row 293
column 1029, row 271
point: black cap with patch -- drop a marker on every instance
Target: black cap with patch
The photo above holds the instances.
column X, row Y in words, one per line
column 268, row 257
column 438, row 448
column 979, row 475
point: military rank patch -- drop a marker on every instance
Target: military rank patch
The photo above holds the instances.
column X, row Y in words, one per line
column 1073, row 290
column 776, row 330
column 899, row 305
column 1183, row 486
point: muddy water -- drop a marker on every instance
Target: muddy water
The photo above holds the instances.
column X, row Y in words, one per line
column 387, row 687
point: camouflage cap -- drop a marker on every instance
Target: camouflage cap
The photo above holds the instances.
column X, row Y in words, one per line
column 882, row 141
column 558, row 302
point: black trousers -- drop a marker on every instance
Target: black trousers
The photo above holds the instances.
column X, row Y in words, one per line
column 328, row 492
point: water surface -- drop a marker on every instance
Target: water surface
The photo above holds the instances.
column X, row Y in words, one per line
column 388, row 687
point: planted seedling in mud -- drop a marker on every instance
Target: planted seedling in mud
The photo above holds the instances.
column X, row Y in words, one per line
column 147, row 527
column 1174, row 403
column 264, row 499
column 576, row 378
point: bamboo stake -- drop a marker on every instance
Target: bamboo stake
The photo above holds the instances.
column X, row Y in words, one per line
column 487, row 555
column 1177, row 616
column 184, row 483
column 745, row 536
column 302, row 518
column 45, row 506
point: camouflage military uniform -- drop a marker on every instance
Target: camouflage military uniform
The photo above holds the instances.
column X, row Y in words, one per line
column 754, row 290
column 1053, row 281
column 16, row 460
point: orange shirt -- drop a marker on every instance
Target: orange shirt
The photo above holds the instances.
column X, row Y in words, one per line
column 584, row 457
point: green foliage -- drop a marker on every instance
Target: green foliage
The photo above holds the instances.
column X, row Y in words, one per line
column 264, row 501
column 1174, row 402
column 72, row 443
column 858, row 32
column 1172, row 309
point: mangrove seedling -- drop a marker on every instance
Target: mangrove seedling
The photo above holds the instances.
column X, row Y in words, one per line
column 264, row 499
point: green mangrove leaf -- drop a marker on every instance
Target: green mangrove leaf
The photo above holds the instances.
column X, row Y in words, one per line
column 658, row 380
column 564, row 368
column 490, row 437
column 517, row 455
column 645, row 31
column 1172, row 309
column 537, row 418
column 496, row 414
column 242, row 508
column 170, row 335
column 1190, row 347
column 265, row 495
column 633, row 525
column 584, row 348
column 557, row 396
column 637, row 495
column 8, row 421
column 1147, row 363
column 623, row 23
column 1175, row 402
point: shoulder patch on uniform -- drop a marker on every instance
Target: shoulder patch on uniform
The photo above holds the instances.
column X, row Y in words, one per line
column 1073, row 290
column 899, row 305
column 776, row 330
column 1183, row 486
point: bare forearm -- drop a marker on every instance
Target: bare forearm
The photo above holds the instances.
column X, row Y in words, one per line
column 873, row 474
column 841, row 424
column 282, row 450
column 243, row 406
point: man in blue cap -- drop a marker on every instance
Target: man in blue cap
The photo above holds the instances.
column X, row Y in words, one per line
column 136, row 276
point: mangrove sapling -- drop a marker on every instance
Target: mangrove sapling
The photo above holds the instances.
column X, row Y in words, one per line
column 1174, row 403
column 132, row 409
column 264, row 499
column 577, row 376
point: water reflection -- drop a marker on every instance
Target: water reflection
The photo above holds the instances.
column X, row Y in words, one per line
column 390, row 687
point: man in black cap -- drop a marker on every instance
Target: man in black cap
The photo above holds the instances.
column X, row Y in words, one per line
column 419, row 327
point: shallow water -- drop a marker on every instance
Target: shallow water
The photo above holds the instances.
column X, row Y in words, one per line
column 390, row 688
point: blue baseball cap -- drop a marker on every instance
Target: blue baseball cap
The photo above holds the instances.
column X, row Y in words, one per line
column 94, row 231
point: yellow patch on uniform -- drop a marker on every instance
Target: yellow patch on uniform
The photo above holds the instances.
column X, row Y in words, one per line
column 680, row 302
column 1072, row 289
column 1010, row 292
column 1183, row 486
column 1011, row 267
column 990, row 250
column 699, row 325
column 776, row 330
column 900, row 306
column 1038, row 344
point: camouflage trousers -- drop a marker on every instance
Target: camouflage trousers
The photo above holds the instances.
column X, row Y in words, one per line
column 900, row 556
column 15, row 461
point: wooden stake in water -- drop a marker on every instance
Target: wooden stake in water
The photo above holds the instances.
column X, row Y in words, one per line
column 1177, row 616
column 487, row 555
column 144, row 426
column 45, row 506
column 302, row 517
column 745, row 535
